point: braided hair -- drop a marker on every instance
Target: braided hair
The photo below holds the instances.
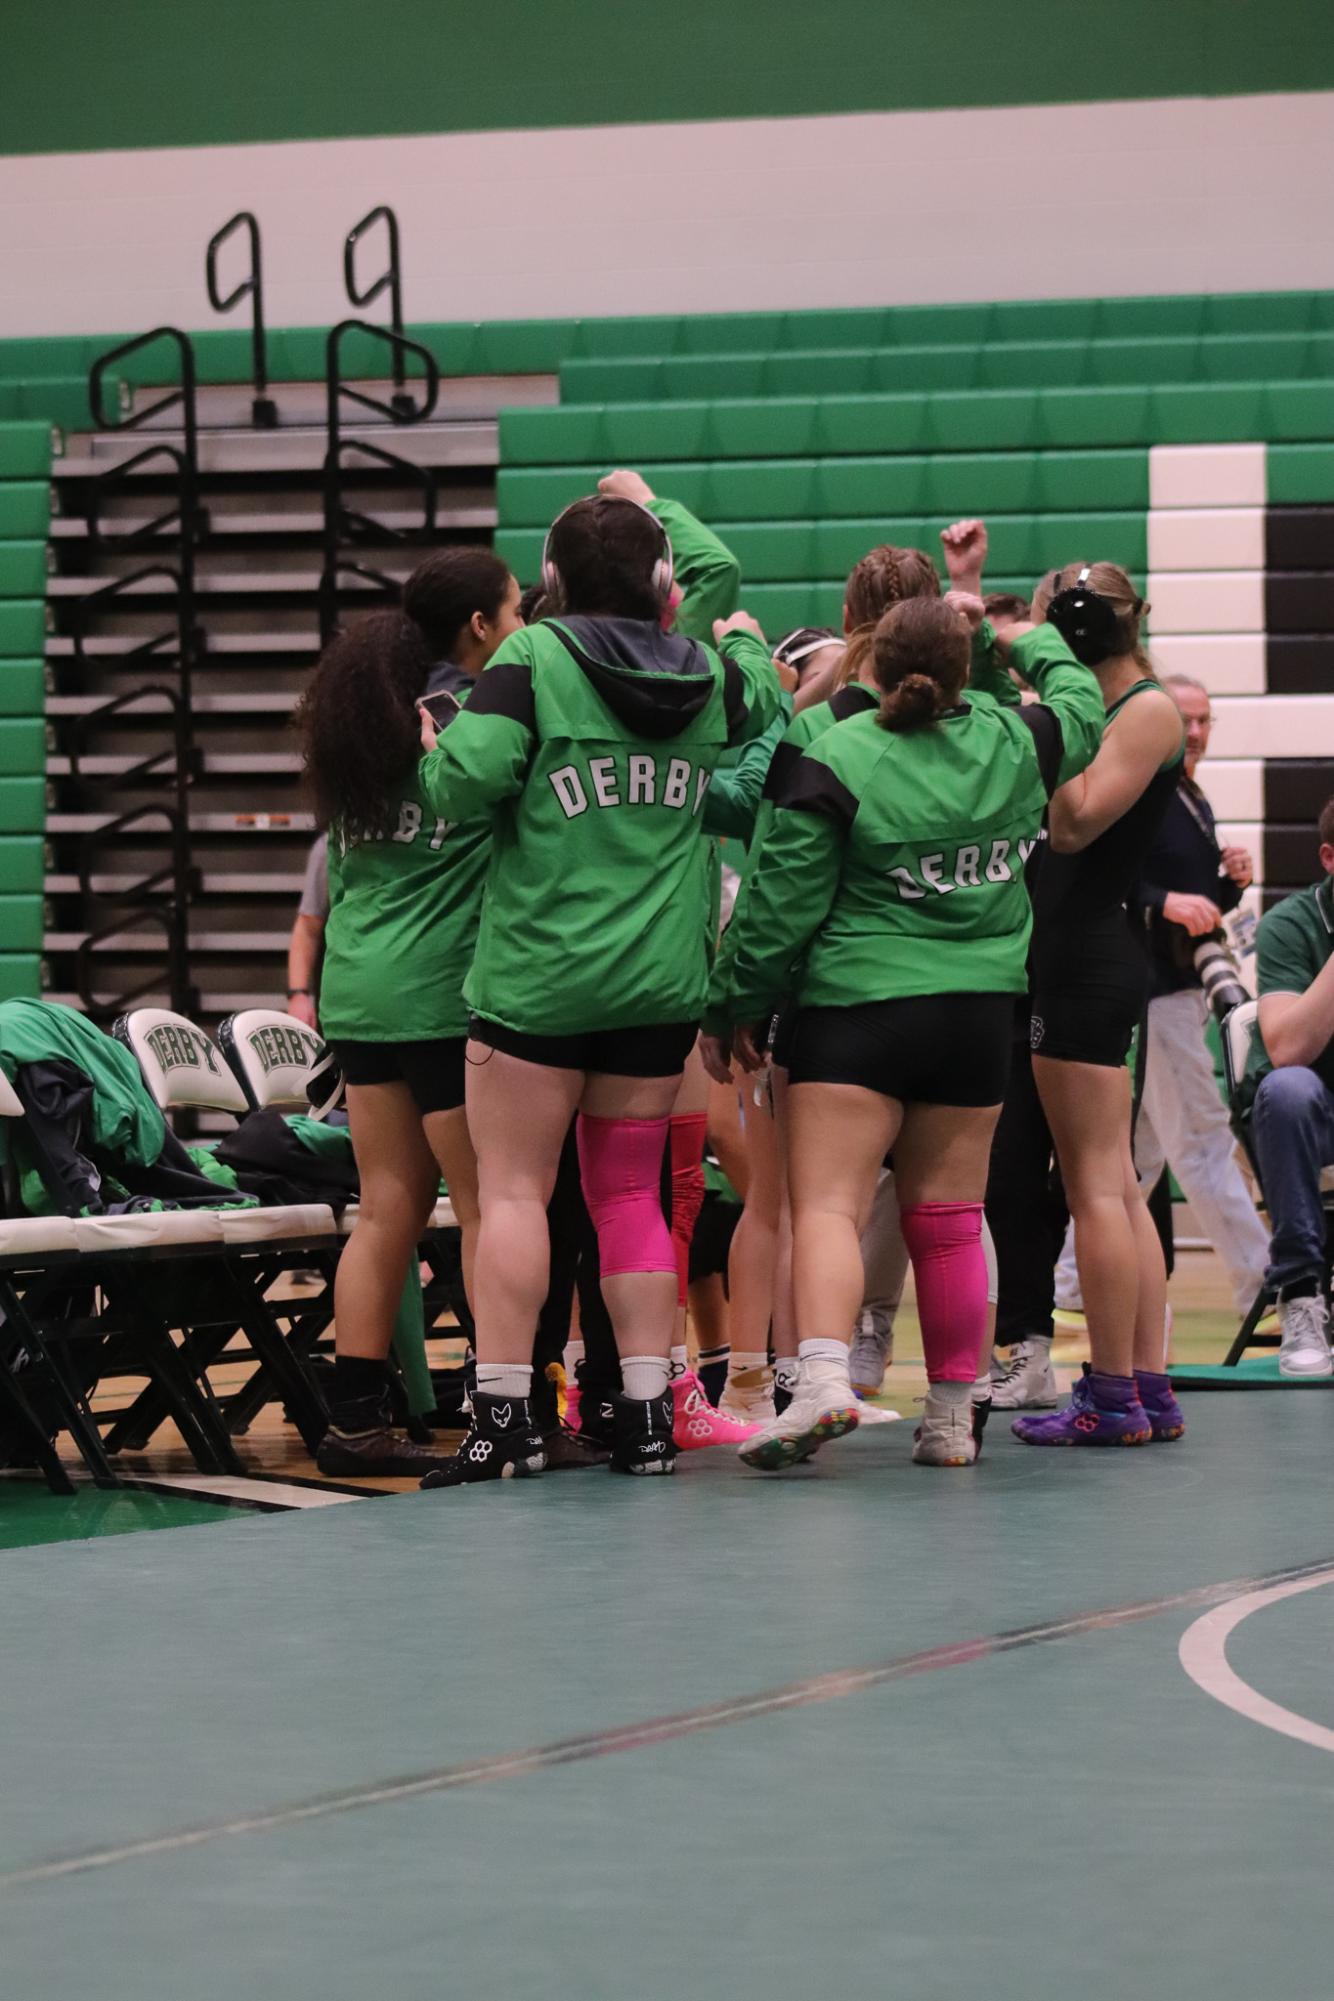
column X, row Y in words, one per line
column 885, row 576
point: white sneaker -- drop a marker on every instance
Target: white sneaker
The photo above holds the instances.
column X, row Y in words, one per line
column 1304, row 1348
column 748, row 1396
column 876, row 1413
column 1026, row 1379
column 816, row 1414
column 945, row 1435
column 872, row 1348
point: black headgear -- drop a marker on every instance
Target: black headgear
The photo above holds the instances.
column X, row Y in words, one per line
column 1087, row 622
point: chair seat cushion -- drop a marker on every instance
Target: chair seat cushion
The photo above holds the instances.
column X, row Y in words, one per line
column 152, row 1230
column 36, row 1236
column 263, row 1226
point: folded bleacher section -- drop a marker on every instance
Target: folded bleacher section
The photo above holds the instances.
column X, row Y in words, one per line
column 1189, row 439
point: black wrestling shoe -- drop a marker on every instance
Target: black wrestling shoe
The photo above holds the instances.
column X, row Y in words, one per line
column 383, row 1452
column 597, row 1417
column 568, row 1450
column 642, row 1439
column 501, row 1443
column 981, row 1412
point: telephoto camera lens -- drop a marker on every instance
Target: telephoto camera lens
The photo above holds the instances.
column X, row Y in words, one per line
column 1218, row 975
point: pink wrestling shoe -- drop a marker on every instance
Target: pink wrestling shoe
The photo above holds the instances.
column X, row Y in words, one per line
column 697, row 1423
column 571, row 1404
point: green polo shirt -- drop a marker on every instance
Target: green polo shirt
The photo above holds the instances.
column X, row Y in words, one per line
column 1293, row 944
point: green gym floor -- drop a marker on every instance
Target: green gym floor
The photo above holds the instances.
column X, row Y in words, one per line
column 1061, row 1723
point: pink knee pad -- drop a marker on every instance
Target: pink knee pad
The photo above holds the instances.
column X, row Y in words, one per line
column 944, row 1241
column 620, row 1162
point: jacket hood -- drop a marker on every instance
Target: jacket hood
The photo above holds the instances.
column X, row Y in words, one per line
column 654, row 682
column 447, row 678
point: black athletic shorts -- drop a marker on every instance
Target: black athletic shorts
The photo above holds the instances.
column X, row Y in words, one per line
column 930, row 1049
column 784, row 1034
column 659, row 1051
column 1090, row 991
column 433, row 1071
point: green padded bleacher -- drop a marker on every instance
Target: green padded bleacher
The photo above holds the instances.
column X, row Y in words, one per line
column 794, row 489
column 1300, row 473
column 20, row 923
column 25, row 451
column 22, row 628
column 966, row 420
column 540, row 346
column 793, row 551
column 972, row 365
column 59, row 400
column 23, row 568
column 25, row 463
column 22, row 805
column 22, row 687
column 25, row 509
column 22, row 746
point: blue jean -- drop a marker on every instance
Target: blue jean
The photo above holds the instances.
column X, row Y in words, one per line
column 1292, row 1127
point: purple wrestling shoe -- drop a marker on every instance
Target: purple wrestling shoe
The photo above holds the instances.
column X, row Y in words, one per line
column 1103, row 1410
column 1166, row 1418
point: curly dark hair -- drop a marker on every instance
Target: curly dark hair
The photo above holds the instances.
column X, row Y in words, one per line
column 358, row 721
column 603, row 550
column 443, row 593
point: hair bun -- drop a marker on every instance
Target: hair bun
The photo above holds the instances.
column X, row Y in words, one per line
column 916, row 701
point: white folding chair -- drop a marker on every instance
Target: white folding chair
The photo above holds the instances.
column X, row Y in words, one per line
column 270, row 1055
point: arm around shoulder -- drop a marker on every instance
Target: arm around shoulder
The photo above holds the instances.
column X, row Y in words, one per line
column 1137, row 744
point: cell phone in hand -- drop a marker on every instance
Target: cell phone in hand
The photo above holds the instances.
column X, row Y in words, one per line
column 441, row 707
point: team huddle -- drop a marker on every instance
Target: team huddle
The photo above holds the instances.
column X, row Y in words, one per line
column 528, row 986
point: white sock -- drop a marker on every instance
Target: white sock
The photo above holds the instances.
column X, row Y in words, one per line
column 957, row 1394
column 644, row 1376
column 504, row 1379
column 680, row 1361
column 982, row 1389
column 824, row 1365
column 746, row 1358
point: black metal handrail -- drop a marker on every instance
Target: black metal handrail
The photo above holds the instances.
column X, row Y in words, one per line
column 125, row 823
column 163, row 895
column 390, row 279
column 184, row 395
column 183, row 996
column 263, row 409
column 120, row 705
column 340, row 522
column 102, row 483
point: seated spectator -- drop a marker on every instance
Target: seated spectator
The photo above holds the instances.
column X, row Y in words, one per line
column 1290, row 1078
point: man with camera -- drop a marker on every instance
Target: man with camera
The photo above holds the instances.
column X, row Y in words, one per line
column 1189, row 883
column 1290, row 1077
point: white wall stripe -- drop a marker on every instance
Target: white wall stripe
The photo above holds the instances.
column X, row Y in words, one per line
column 1228, row 663
column 1207, row 476
column 1208, row 538
column 1196, row 601
column 1188, row 195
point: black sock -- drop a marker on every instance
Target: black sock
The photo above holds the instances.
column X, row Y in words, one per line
column 360, row 1400
column 1300, row 1288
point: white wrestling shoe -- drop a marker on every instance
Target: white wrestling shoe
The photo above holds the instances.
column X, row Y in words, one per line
column 946, row 1436
column 1025, row 1380
column 817, row 1413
